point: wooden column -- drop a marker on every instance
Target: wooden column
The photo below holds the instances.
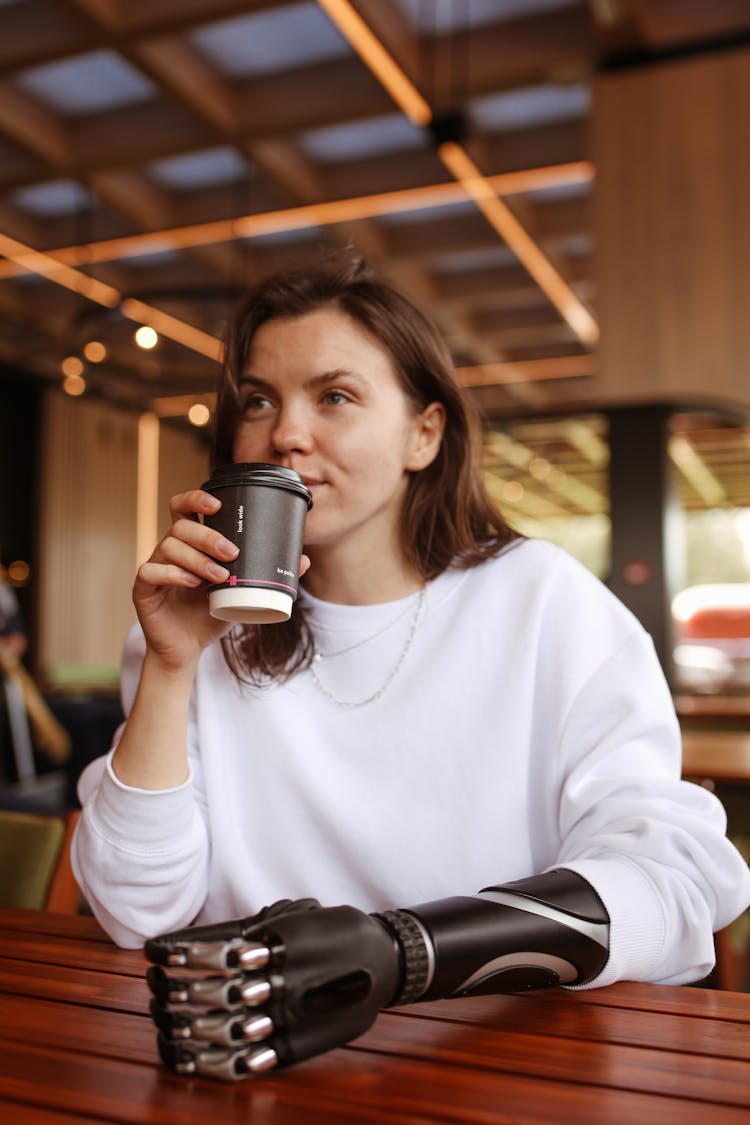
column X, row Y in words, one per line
column 671, row 145
column 88, row 521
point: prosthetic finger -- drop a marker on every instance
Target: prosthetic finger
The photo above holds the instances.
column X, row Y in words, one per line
column 229, row 1064
column 214, row 1026
column 220, row 945
column 230, row 993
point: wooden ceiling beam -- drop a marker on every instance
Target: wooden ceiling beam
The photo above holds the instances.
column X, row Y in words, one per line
column 19, row 167
column 301, row 180
column 128, row 19
column 680, row 22
column 132, row 136
column 554, row 46
column 151, row 207
column 325, row 213
column 309, row 97
column 510, row 282
column 29, row 124
column 35, row 33
column 185, row 74
column 536, row 147
column 21, row 226
column 619, row 26
column 133, row 195
column 458, row 231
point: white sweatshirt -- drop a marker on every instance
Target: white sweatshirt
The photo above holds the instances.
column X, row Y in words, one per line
column 528, row 727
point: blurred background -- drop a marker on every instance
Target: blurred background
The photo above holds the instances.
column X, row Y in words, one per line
column 563, row 184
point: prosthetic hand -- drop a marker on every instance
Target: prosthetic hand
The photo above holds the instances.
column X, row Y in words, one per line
column 297, row 979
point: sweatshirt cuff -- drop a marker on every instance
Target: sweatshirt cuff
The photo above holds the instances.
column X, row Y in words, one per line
column 141, row 819
column 637, row 928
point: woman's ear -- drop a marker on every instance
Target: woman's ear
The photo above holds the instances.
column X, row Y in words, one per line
column 428, row 435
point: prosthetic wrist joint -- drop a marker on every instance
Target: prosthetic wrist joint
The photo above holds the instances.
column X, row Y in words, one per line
column 540, row 932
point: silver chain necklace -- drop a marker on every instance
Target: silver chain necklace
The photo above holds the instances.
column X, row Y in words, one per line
column 320, row 656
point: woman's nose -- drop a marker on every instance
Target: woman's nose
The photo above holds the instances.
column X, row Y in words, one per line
column 291, row 433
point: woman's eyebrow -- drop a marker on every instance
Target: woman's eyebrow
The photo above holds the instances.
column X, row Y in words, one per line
column 252, row 381
column 315, row 381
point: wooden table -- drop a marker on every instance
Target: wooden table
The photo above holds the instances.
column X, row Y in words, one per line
column 717, row 755
column 76, row 1045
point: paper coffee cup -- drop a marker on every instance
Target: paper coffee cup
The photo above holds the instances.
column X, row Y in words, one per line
column 263, row 511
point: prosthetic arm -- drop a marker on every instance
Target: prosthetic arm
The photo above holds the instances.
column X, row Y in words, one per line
column 297, row 979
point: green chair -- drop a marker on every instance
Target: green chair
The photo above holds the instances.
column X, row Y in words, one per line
column 35, row 869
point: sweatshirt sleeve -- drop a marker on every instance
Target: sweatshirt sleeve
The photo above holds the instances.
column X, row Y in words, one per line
column 653, row 846
column 140, row 856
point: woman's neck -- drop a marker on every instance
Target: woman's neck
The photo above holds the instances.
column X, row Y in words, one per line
column 334, row 578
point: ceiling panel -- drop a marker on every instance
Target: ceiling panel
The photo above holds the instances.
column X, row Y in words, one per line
column 168, row 150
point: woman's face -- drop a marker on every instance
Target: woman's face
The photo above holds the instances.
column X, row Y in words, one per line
column 320, row 395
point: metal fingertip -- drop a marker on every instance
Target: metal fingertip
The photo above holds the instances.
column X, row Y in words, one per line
column 254, row 955
column 257, row 1028
column 261, row 1060
column 255, row 992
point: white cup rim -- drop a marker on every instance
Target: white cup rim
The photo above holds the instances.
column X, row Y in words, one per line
column 250, row 605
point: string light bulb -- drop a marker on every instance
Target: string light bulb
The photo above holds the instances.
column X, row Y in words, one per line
column 72, row 366
column 74, row 385
column 146, row 337
column 199, row 414
column 95, row 351
column 19, row 572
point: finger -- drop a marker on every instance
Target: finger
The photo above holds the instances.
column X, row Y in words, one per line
column 225, row 1029
column 229, row 993
column 173, row 551
column 215, row 1062
column 304, row 564
column 234, row 953
column 192, row 504
column 161, row 574
column 203, row 538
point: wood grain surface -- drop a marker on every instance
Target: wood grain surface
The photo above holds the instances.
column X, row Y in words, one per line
column 77, row 1044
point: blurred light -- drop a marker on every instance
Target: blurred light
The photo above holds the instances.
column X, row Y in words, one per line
column 95, row 351
column 19, row 572
column 539, row 468
column 147, row 486
column 513, row 491
column 176, row 406
column 556, row 478
column 711, row 595
column 74, row 385
column 534, row 260
column 302, row 217
column 378, row 60
column 72, row 365
column 199, row 414
column 146, row 337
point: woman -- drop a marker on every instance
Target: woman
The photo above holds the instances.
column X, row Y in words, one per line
column 450, row 707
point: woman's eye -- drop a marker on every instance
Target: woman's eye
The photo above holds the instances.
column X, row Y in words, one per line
column 255, row 402
column 335, row 398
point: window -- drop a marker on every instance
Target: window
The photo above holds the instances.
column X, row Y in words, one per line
column 710, row 603
column 549, row 478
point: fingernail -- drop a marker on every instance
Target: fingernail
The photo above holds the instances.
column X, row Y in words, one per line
column 218, row 573
column 228, row 549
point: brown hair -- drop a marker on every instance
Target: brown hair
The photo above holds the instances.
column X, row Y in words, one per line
column 448, row 516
